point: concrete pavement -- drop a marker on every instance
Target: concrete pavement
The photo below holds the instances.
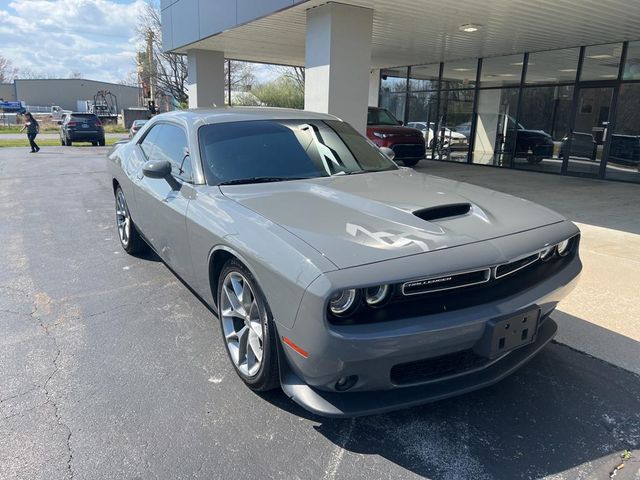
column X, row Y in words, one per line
column 110, row 368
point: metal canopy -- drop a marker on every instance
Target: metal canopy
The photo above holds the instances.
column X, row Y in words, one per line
column 424, row 31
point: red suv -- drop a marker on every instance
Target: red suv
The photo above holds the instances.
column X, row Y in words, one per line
column 385, row 130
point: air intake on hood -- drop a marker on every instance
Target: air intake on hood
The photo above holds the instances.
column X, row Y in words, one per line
column 443, row 211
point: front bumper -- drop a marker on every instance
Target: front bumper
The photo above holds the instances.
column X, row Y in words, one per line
column 334, row 404
column 371, row 351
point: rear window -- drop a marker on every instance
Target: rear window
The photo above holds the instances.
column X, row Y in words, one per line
column 83, row 117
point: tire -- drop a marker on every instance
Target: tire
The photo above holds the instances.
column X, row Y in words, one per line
column 94, row 143
column 69, row 142
column 130, row 239
column 101, row 142
column 255, row 326
column 410, row 162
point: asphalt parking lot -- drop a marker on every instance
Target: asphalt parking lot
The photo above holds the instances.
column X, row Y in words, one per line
column 111, row 368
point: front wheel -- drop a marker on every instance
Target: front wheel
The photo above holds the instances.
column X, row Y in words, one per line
column 101, row 142
column 410, row 162
column 247, row 327
column 130, row 239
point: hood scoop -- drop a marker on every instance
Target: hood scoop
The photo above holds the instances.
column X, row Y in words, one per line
column 440, row 212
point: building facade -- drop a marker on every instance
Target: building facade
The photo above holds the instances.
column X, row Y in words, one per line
column 547, row 86
column 66, row 92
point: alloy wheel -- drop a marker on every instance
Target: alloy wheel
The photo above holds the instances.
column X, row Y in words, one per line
column 123, row 218
column 242, row 315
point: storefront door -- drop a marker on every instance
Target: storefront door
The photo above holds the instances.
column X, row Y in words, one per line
column 590, row 132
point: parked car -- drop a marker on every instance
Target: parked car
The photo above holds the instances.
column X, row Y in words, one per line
column 135, row 126
column 448, row 139
column 81, row 127
column 385, row 130
column 625, row 150
column 357, row 286
column 582, row 145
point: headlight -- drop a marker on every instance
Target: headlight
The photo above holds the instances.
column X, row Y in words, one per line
column 563, row 247
column 376, row 296
column 381, row 135
column 547, row 254
column 344, row 302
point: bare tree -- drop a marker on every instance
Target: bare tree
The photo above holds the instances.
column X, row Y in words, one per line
column 75, row 74
column 7, row 71
column 295, row 74
column 170, row 69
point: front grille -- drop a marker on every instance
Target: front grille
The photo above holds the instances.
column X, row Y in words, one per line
column 512, row 267
column 446, row 282
column 437, row 367
column 408, row 151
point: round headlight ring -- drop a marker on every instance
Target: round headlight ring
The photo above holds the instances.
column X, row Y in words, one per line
column 344, row 302
column 547, row 254
column 564, row 247
column 377, row 296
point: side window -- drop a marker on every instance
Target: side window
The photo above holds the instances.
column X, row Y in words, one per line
column 171, row 144
column 149, row 141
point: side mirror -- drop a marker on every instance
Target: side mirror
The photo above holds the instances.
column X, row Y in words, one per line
column 157, row 169
column 59, row 122
column 400, row 122
column 388, row 152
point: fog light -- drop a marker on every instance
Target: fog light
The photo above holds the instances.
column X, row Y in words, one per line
column 563, row 247
column 376, row 296
column 547, row 254
column 344, row 302
column 345, row 383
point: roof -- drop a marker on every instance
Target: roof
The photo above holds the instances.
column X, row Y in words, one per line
column 241, row 114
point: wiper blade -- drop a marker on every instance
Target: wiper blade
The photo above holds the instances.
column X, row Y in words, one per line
column 243, row 181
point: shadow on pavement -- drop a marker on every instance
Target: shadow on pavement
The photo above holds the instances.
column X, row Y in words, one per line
column 562, row 410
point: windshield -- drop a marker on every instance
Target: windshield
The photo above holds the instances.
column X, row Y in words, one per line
column 380, row 116
column 279, row 150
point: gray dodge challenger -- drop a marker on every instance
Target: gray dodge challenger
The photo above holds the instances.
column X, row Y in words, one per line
column 357, row 286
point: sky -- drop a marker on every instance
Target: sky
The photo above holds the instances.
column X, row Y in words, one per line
column 59, row 37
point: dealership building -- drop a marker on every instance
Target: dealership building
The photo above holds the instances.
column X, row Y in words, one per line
column 546, row 86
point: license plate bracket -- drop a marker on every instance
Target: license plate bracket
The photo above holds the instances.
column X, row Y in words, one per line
column 503, row 334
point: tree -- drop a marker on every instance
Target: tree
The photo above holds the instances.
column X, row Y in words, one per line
column 295, row 74
column 282, row 92
column 7, row 71
column 171, row 69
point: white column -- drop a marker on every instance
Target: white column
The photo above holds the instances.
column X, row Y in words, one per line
column 374, row 87
column 338, row 62
column 205, row 78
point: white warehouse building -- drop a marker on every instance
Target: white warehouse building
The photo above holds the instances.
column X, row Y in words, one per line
column 500, row 72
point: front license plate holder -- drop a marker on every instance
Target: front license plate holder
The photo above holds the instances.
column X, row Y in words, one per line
column 503, row 334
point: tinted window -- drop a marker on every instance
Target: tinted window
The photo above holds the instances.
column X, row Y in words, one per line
column 246, row 151
column 149, row 141
column 171, row 144
column 83, row 117
column 380, row 116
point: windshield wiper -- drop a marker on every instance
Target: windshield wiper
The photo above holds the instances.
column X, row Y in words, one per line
column 243, row 181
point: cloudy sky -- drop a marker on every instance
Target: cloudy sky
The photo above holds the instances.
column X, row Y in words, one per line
column 57, row 37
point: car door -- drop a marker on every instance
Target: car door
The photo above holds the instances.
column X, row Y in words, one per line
column 162, row 203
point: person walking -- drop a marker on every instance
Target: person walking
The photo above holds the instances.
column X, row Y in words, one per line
column 33, row 128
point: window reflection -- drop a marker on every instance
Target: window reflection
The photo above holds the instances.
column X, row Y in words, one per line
column 601, row 62
column 393, row 87
column 624, row 151
column 495, row 126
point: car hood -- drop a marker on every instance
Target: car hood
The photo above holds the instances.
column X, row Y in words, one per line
column 364, row 218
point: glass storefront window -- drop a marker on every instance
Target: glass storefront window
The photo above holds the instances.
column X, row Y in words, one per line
column 545, row 119
column 454, row 126
column 500, row 71
column 424, row 77
column 632, row 64
column 393, row 87
column 624, row 151
column 460, row 74
column 495, row 126
column 556, row 66
column 601, row 62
